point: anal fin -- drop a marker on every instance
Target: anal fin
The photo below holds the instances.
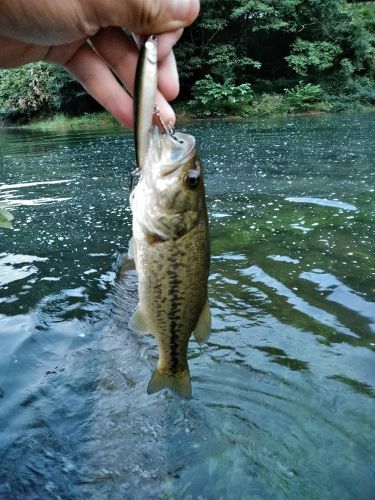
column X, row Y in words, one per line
column 139, row 322
column 203, row 327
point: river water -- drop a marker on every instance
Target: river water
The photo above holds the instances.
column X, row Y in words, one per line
column 284, row 391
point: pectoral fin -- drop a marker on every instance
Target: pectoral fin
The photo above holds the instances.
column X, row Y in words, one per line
column 179, row 383
column 139, row 322
column 203, row 327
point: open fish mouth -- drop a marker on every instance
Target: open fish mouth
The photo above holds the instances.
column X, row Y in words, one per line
column 170, row 152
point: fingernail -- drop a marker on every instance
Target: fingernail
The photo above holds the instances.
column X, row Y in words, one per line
column 185, row 10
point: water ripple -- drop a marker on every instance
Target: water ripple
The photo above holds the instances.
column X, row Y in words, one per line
column 342, row 294
column 283, row 391
column 259, row 276
column 323, row 202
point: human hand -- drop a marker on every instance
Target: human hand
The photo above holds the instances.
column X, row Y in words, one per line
column 85, row 37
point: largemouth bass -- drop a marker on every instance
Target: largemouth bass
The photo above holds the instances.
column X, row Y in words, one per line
column 170, row 247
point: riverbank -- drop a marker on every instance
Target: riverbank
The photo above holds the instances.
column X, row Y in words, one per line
column 267, row 106
column 100, row 119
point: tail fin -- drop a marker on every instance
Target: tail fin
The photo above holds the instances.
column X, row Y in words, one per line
column 179, row 383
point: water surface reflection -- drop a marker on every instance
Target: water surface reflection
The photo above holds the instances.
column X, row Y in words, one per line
column 284, row 390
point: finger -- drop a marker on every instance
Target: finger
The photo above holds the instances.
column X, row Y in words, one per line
column 121, row 54
column 144, row 16
column 97, row 79
column 168, row 81
column 14, row 53
column 56, row 23
column 166, row 42
column 119, row 51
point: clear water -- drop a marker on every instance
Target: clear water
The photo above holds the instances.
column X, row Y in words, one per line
column 284, row 392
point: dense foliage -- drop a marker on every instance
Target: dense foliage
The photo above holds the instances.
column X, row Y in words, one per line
column 247, row 56
column 320, row 50
column 40, row 89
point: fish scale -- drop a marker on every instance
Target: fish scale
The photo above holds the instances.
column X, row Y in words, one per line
column 171, row 252
column 185, row 292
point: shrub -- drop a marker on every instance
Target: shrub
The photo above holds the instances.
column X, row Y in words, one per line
column 36, row 89
column 269, row 104
column 304, row 96
column 212, row 98
column 357, row 92
column 27, row 90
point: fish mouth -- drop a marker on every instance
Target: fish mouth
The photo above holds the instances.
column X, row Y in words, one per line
column 170, row 169
column 170, row 151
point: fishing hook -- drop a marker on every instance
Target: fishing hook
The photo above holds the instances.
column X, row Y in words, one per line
column 168, row 129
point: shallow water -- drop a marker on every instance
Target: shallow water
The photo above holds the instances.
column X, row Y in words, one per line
column 283, row 393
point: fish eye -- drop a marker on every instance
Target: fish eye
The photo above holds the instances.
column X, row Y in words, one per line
column 192, row 178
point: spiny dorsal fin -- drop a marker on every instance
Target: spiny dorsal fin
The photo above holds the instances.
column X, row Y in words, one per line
column 203, row 326
column 179, row 383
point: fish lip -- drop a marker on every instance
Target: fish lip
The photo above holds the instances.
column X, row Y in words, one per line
column 184, row 152
column 173, row 167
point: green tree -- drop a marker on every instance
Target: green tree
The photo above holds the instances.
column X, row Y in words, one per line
column 271, row 44
column 212, row 98
column 309, row 57
column 39, row 89
column 266, row 45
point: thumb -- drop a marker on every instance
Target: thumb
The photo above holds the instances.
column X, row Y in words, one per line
column 146, row 16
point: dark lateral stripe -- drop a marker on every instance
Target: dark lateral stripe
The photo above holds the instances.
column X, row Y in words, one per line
column 173, row 318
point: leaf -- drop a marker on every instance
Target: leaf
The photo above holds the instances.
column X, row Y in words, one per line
column 309, row 57
column 6, row 219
